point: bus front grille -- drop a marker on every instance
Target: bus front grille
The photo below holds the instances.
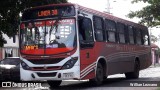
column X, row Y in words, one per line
column 45, row 61
column 49, row 68
column 47, row 74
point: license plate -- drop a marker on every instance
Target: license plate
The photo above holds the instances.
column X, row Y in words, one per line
column 67, row 75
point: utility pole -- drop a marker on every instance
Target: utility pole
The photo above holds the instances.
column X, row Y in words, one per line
column 108, row 6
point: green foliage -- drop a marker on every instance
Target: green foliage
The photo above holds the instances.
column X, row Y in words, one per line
column 149, row 15
column 9, row 14
column 153, row 38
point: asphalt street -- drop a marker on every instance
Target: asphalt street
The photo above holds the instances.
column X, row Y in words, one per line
column 149, row 80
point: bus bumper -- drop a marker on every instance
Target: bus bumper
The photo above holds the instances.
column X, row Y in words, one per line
column 67, row 74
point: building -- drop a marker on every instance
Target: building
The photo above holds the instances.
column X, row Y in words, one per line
column 155, row 55
column 10, row 49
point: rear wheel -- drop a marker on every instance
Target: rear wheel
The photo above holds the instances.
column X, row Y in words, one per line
column 135, row 73
column 99, row 75
column 55, row 83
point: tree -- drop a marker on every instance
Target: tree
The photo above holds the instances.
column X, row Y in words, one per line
column 153, row 38
column 10, row 14
column 149, row 15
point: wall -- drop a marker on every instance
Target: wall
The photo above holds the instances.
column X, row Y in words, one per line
column 10, row 48
column 0, row 53
column 10, row 41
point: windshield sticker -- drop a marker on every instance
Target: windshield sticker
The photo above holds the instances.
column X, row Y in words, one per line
column 31, row 47
column 38, row 24
column 52, row 46
column 65, row 31
column 65, row 21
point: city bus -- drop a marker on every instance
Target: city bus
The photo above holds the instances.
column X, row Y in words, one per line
column 71, row 42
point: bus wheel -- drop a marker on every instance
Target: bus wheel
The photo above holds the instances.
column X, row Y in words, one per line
column 99, row 75
column 135, row 73
column 55, row 83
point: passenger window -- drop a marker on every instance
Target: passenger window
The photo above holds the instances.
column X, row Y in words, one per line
column 121, row 33
column 98, row 24
column 85, row 29
column 110, row 28
column 145, row 37
column 138, row 37
column 131, row 35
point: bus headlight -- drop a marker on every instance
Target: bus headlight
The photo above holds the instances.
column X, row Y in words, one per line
column 25, row 66
column 70, row 63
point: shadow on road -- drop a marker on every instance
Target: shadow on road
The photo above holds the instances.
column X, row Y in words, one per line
column 110, row 82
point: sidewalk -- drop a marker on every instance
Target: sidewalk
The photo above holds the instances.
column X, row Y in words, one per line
column 152, row 72
column 155, row 65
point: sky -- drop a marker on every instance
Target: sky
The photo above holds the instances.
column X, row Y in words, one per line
column 119, row 8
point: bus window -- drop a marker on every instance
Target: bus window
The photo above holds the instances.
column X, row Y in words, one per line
column 145, row 37
column 98, row 24
column 110, row 30
column 138, row 37
column 121, row 33
column 131, row 35
column 85, row 30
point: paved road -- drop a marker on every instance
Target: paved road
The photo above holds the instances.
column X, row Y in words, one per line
column 149, row 80
column 110, row 84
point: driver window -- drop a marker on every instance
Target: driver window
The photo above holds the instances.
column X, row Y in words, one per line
column 85, row 29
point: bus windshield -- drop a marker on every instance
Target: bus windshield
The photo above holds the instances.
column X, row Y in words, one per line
column 48, row 37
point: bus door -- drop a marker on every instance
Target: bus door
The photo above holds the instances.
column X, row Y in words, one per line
column 86, row 41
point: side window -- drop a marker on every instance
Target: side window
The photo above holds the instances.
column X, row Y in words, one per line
column 131, row 34
column 145, row 37
column 121, row 33
column 85, row 29
column 98, row 25
column 138, row 37
column 110, row 28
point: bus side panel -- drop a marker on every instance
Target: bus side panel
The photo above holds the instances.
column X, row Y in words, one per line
column 115, row 59
column 119, row 58
column 87, row 63
column 145, row 58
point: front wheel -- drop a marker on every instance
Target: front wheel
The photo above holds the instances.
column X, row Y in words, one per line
column 55, row 83
column 99, row 75
column 135, row 73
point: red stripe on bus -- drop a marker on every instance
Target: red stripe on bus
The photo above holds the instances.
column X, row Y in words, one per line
column 47, row 51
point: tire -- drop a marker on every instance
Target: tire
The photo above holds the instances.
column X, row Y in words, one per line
column 98, row 80
column 55, row 83
column 135, row 73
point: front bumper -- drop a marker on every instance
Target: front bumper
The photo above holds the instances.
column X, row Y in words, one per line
column 67, row 74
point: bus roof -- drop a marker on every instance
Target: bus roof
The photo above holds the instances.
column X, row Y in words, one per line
column 110, row 17
column 97, row 13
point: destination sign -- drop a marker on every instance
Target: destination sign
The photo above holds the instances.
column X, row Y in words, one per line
column 48, row 12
